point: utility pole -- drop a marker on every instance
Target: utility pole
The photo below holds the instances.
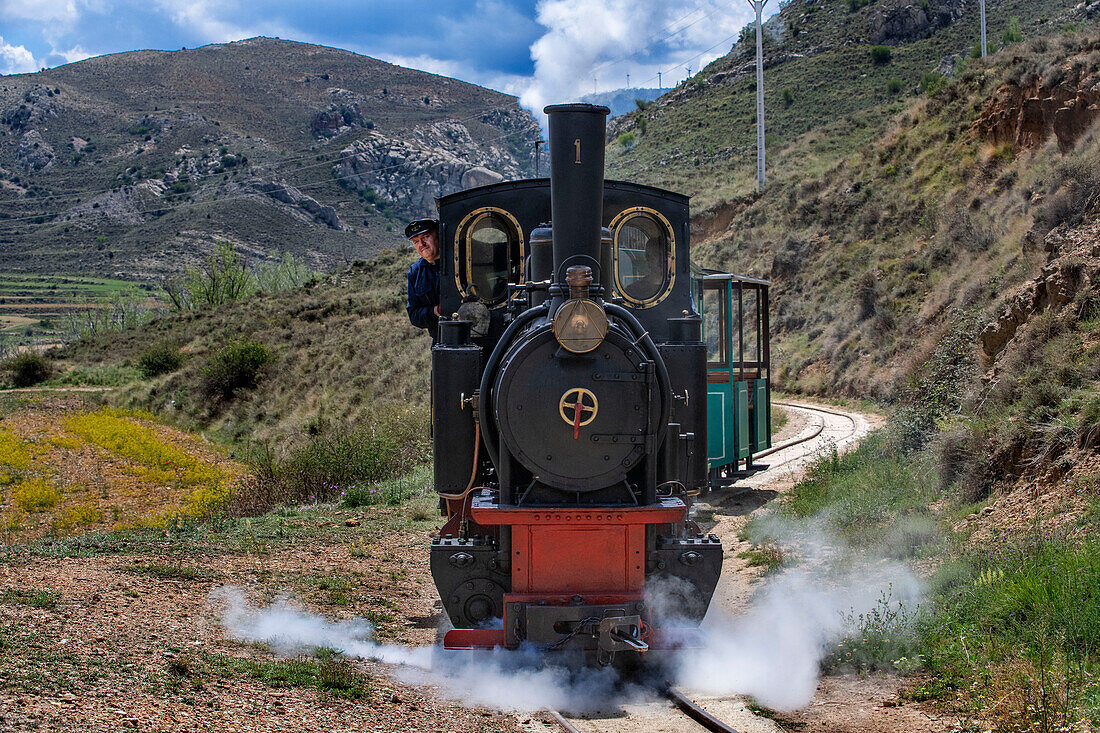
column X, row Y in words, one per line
column 538, row 144
column 594, row 88
column 628, row 81
column 659, row 81
column 758, row 6
column 982, row 4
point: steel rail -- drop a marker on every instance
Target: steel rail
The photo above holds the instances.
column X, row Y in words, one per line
column 696, row 713
column 818, row 431
column 565, row 724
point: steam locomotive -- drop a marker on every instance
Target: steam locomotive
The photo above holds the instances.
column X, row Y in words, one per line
column 570, row 407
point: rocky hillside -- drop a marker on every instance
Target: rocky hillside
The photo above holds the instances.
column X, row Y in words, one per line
column 133, row 164
column 700, row 137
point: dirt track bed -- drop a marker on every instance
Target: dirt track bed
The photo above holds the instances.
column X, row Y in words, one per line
column 129, row 636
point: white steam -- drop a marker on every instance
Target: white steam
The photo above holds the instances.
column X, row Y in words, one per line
column 773, row 652
column 521, row 680
column 607, row 39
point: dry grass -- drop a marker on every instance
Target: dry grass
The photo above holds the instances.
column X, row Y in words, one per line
column 69, row 469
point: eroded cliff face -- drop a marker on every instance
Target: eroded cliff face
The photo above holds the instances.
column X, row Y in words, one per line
column 1072, row 269
column 1062, row 101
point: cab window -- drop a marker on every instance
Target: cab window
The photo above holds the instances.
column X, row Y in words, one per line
column 488, row 255
column 644, row 256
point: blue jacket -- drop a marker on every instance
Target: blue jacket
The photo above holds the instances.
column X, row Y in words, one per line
column 424, row 295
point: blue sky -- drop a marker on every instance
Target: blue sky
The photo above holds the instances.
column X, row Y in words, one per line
column 543, row 50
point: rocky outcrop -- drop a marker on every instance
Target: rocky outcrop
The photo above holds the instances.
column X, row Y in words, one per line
column 1074, row 265
column 288, row 194
column 902, row 21
column 343, row 113
column 1065, row 104
column 34, row 152
column 436, row 160
column 38, row 105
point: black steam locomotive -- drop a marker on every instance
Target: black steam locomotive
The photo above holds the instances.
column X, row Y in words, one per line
column 569, row 397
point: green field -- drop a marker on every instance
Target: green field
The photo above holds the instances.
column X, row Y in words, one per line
column 42, row 310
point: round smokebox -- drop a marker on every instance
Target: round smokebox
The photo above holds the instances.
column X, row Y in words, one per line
column 575, row 421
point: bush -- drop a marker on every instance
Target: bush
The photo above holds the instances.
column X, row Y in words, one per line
column 1013, row 34
column 894, row 86
column 161, row 358
column 788, row 97
column 237, row 366
column 881, row 55
column 28, row 369
column 932, row 83
column 355, row 465
column 626, row 140
column 35, row 495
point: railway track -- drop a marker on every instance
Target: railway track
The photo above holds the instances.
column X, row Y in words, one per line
column 681, row 702
column 840, row 428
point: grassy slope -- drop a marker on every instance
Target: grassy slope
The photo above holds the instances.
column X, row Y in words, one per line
column 700, row 138
column 344, row 354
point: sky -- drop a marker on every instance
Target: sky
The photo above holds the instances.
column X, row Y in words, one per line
column 545, row 51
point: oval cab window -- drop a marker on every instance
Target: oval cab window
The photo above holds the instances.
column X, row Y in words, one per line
column 645, row 256
column 488, row 254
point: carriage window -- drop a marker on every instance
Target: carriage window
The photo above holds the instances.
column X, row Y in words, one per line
column 644, row 256
column 750, row 317
column 714, row 325
column 488, row 254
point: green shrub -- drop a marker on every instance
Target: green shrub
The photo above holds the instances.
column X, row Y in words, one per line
column 881, row 55
column 788, row 96
column 1012, row 34
column 160, row 358
column 237, row 366
column 894, row 86
column 932, row 83
column 1019, row 621
column 626, row 140
column 28, row 369
column 356, row 466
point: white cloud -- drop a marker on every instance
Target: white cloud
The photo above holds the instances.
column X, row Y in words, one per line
column 16, row 59
column 513, row 84
column 52, row 11
column 76, row 53
column 611, row 38
column 201, row 17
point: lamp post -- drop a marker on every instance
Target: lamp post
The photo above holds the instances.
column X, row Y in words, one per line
column 758, row 6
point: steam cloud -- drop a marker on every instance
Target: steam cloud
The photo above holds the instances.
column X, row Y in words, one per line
column 771, row 653
column 611, row 38
column 521, row 680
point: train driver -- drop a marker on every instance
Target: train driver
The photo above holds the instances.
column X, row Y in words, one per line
column 423, row 306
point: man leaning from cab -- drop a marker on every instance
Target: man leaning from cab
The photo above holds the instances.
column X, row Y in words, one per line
column 423, row 306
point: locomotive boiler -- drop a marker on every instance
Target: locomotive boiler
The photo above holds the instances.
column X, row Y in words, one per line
column 569, row 403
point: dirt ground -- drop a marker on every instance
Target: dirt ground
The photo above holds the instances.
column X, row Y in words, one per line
column 105, row 632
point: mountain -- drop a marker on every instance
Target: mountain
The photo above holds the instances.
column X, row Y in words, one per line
column 621, row 101
column 134, row 164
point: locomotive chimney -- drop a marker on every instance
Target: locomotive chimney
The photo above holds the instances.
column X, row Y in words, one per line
column 576, row 185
